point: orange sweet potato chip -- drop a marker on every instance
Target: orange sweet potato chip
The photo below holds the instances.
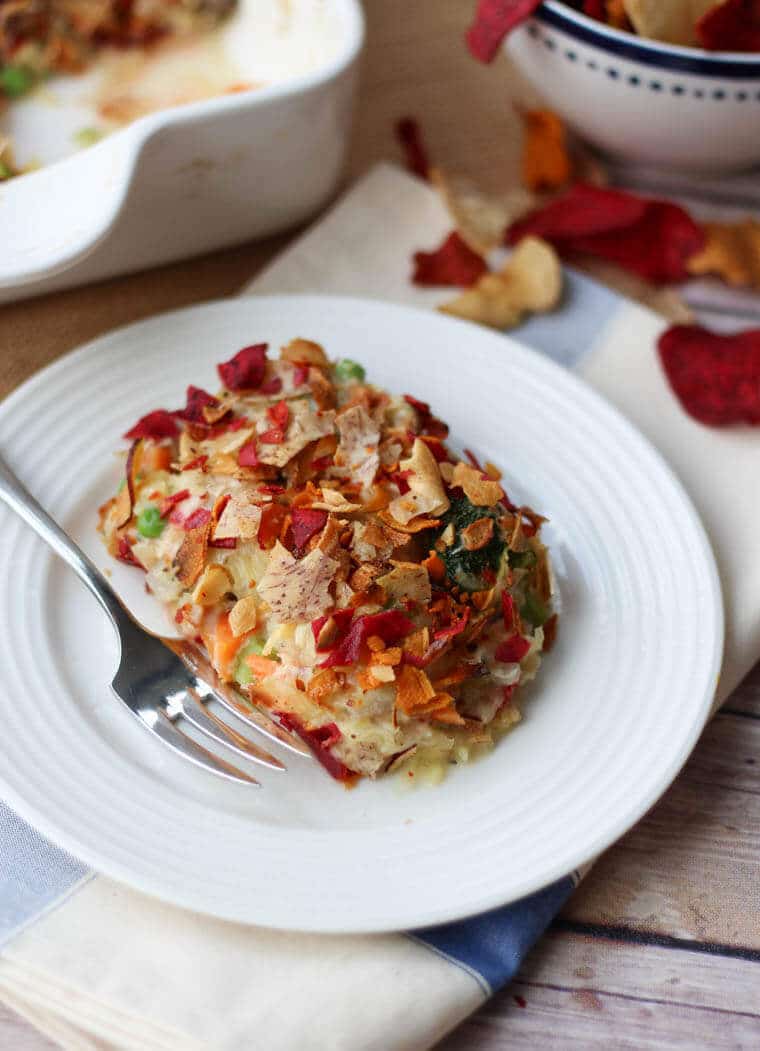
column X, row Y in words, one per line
column 191, row 556
column 414, row 690
column 731, row 252
column 546, row 163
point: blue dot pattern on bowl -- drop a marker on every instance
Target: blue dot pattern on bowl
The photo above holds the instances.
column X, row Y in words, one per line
column 653, row 85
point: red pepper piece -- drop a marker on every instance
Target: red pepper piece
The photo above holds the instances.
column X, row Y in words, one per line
column 320, row 739
column 199, row 517
column 170, row 502
column 125, row 553
column 390, row 626
column 512, row 650
column 247, row 455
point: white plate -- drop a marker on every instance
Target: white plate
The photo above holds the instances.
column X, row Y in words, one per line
column 613, row 715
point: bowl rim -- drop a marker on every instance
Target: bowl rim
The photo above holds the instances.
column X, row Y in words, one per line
column 675, row 57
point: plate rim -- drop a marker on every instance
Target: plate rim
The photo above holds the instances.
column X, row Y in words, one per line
column 437, row 915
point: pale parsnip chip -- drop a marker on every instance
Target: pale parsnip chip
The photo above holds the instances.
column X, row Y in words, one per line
column 333, row 500
column 297, row 590
column 480, row 218
column 671, row 21
column 480, row 491
column 357, row 450
column 426, row 494
column 238, row 519
column 304, row 426
column 407, row 580
column 244, row 616
column 530, row 282
column 213, row 585
column 731, row 252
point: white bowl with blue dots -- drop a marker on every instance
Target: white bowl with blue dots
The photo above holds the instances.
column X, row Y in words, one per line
column 640, row 100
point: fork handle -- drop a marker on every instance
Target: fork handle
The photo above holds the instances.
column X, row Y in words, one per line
column 20, row 500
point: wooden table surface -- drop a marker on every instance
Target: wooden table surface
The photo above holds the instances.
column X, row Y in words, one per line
column 660, row 946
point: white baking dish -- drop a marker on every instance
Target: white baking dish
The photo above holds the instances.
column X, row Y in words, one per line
column 182, row 181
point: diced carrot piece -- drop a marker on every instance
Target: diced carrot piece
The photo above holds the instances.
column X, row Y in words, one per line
column 262, row 667
column 155, row 458
column 224, row 646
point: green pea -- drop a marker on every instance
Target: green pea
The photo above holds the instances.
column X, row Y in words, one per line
column 16, row 81
column 346, row 370
column 243, row 674
column 150, row 524
column 88, row 136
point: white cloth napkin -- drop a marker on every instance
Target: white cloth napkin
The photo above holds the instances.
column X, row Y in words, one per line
column 114, row 971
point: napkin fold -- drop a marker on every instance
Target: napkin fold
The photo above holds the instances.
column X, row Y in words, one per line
column 111, row 970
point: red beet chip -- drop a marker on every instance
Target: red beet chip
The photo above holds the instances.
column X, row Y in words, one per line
column 273, row 386
column 494, row 20
column 157, row 424
column 224, row 541
column 320, row 739
column 654, row 239
column 658, row 247
column 342, row 618
column 390, row 626
column 715, row 377
column 199, row 517
column 409, row 135
column 595, row 9
column 512, row 650
column 306, row 523
column 196, row 399
column 246, row 370
column 453, row 263
column 429, row 424
column 581, row 211
column 731, row 26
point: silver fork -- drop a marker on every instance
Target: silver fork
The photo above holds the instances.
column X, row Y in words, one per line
column 161, row 680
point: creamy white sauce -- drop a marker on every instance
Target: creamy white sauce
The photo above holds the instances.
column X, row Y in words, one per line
column 265, row 42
